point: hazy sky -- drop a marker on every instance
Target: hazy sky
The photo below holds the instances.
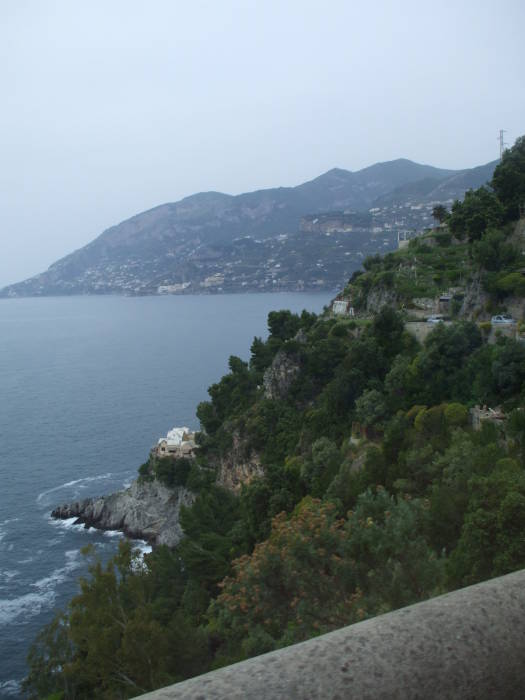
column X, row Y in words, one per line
column 110, row 107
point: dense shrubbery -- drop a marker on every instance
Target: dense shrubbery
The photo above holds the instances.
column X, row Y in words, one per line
column 479, row 210
column 334, row 531
column 482, row 245
column 168, row 470
column 376, row 491
column 490, row 207
column 509, row 180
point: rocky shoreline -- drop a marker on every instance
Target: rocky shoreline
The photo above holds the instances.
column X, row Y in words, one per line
column 147, row 510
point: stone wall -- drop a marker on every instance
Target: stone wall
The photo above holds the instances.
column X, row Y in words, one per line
column 465, row 645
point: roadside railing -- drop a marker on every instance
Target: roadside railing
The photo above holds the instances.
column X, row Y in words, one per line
column 469, row 644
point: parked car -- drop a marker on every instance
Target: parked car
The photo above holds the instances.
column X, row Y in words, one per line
column 436, row 318
column 502, row 318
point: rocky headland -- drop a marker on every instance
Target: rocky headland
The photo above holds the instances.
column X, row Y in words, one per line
column 146, row 510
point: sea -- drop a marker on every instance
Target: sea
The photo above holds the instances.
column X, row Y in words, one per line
column 87, row 386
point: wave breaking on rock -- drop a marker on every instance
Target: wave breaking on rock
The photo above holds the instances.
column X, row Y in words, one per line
column 147, row 510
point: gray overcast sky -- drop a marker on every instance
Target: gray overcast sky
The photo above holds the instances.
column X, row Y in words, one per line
column 110, row 107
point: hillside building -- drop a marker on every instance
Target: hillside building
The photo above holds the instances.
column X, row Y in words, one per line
column 342, row 307
column 179, row 442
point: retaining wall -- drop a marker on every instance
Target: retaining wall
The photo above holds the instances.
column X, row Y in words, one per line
column 465, row 645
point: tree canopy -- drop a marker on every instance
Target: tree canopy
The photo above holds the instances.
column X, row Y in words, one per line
column 374, row 487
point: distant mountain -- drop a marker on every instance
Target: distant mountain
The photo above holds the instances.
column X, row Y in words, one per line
column 214, row 242
column 435, row 189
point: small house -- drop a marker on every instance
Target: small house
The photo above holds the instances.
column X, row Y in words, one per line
column 342, row 307
column 179, row 442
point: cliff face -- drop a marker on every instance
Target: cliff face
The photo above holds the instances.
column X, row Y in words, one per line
column 279, row 377
column 241, row 464
column 379, row 297
column 475, row 301
column 238, row 467
column 146, row 510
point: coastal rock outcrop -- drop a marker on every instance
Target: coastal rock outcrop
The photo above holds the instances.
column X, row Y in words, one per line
column 146, row 510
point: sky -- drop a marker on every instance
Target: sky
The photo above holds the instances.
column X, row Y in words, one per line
column 111, row 107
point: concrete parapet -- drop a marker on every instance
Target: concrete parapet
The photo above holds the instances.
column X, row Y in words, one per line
column 465, row 645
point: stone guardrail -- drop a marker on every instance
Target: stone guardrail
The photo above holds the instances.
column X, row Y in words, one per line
column 469, row 644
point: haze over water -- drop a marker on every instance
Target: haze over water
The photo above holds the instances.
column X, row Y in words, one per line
column 87, row 385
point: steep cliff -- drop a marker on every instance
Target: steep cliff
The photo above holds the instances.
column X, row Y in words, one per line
column 147, row 510
column 279, row 377
column 239, row 466
column 381, row 296
column 475, row 301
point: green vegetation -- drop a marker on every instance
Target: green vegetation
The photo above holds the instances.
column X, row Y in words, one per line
column 440, row 213
column 420, row 270
column 168, row 470
column 377, row 492
column 479, row 243
column 479, row 210
column 509, row 180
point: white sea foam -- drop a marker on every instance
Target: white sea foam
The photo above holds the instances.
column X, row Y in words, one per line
column 66, row 524
column 7, row 574
column 11, row 687
column 31, row 604
column 24, row 606
column 75, row 482
column 9, row 520
column 142, row 546
column 113, row 533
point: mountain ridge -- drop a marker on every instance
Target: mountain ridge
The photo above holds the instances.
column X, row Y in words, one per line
column 169, row 247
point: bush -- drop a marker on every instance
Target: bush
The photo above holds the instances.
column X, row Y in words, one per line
column 385, row 278
column 373, row 262
column 493, row 252
column 297, row 581
column 512, row 283
column 145, row 472
column 430, row 421
column 479, row 210
column 340, row 330
column 283, row 324
column 172, row 472
column 509, row 179
column 370, row 407
column 413, row 413
column 291, row 347
column 456, row 414
column 443, row 239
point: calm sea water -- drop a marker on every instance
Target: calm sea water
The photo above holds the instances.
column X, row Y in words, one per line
column 87, row 385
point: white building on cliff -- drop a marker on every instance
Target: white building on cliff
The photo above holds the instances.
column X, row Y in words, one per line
column 179, row 442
